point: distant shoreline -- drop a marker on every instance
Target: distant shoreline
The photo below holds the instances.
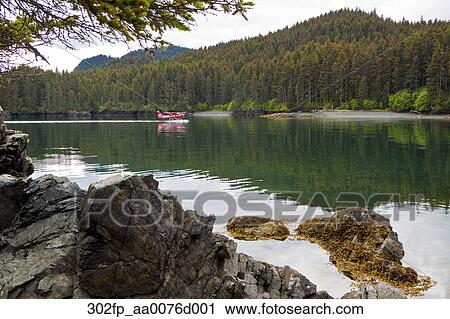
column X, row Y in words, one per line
column 357, row 115
column 150, row 115
column 107, row 115
column 212, row 114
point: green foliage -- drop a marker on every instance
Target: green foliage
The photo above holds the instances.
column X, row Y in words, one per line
column 151, row 107
column 201, row 107
column 355, row 105
column 438, row 69
column 232, row 106
column 328, row 106
column 422, row 100
column 120, row 106
column 16, row 32
column 401, row 101
column 249, row 106
column 219, row 107
column 441, row 105
column 274, row 105
column 369, row 104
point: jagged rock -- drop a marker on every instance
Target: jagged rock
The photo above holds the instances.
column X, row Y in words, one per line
column 13, row 158
column 262, row 280
column 46, row 196
column 127, row 240
column 166, row 252
column 56, row 286
column 375, row 291
column 37, row 253
column 11, row 197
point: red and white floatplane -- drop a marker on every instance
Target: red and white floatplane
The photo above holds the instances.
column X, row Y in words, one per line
column 171, row 116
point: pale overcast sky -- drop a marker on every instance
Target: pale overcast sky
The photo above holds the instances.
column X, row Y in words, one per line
column 267, row 15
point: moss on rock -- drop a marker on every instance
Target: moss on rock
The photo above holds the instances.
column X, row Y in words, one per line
column 356, row 240
column 256, row 228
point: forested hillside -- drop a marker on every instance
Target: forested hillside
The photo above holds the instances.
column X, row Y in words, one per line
column 93, row 62
column 344, row 59
column 133, row 57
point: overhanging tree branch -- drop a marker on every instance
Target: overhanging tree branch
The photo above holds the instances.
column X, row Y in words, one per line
column 27, row 24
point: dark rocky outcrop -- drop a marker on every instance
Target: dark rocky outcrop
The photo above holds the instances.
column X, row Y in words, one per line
column 11, row 197
column 158, row 250
column 13, row 158
column 37, row 253
column 124, row 238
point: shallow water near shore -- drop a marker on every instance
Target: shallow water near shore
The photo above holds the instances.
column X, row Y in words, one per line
column 317, row 158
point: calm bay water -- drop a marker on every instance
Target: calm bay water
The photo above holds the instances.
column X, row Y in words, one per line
column 317, row 158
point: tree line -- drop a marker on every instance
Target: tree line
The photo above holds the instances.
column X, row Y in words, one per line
column 346, row 59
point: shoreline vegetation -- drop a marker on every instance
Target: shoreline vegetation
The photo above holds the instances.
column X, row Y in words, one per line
column 340, row 114
column 316, row 114
column 403, row 104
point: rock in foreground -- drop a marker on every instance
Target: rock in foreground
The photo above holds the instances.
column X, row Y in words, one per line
column 157, row 250
column 37, row 253
column 127, row 240
column 11, row 197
